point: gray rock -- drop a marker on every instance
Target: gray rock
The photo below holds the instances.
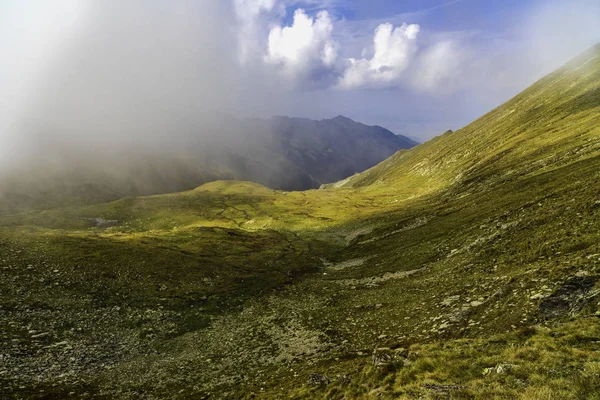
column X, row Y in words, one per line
column 384, row 356
column 316, row 379
column 570, row 298
column 448, row 301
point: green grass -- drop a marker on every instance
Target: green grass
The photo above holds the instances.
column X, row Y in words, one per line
column 529, row 363
column 449, row 250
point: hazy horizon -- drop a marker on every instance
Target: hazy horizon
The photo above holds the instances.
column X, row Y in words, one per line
column 83, row 74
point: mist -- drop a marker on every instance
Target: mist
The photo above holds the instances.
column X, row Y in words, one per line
column 90, row 83
column 129, row 74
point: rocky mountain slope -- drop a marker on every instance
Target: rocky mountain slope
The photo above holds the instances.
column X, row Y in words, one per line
column 467, row 267
column 281, row 153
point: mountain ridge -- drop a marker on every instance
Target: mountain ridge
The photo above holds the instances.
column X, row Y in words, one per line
column 281, row 153
column 467, row 267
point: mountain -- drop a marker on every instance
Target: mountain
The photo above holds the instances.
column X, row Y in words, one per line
column 281, row 153
column 466, row 267
column 333, row 149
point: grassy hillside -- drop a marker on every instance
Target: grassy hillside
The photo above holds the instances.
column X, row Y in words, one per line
column 467, row 267
column 548, row 125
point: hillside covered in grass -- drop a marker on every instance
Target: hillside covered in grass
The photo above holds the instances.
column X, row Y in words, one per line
column 467, row 267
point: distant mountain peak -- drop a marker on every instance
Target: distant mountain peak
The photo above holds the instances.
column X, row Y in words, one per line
column 341, row 118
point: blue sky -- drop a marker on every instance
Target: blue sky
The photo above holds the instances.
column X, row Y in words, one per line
column 443, row 14
column 142, row 67
column 503, row 47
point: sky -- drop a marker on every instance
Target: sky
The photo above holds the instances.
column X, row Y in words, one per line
column 82, row 72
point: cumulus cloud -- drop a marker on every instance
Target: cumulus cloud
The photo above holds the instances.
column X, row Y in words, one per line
column 394, row 49
column 304, row 49
column 306, row 52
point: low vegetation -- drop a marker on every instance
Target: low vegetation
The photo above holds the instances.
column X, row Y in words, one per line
column 468, row 267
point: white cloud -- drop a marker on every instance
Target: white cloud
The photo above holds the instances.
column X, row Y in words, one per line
column 248, row 9
column 393, row 52
column 322, row 50
column 305, row 48
column 306, row 53
column 438, row 68
column 248, row 13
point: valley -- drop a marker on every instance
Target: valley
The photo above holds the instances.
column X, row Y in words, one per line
column 466, row 267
